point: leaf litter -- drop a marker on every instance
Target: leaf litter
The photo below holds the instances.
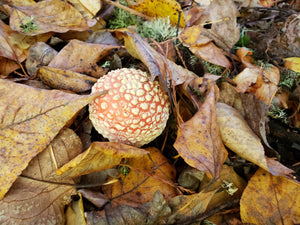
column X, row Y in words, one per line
column 217, row 137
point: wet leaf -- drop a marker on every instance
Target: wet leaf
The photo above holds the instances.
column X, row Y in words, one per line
column 30, row 119
column 198, row 140
column 277, row 200
column 46, row 16
column 293, row 63
column 147, row 175
column 33, row 201
column 161, row 8
column 66, row 79
column 100, row 156
column 79, row 56
column 237, row 136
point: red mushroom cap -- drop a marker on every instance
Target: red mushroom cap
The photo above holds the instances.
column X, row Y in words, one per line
column 134, row 110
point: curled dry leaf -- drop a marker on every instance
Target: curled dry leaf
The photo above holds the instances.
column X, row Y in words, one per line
column 65, row 79
column 155, row 62
column 30, row 119
column 237, row 136
column 262, row 82
column 198, row 140
column 48, row 15
column 40, row 54
column 277, row 200
column 7, row 66
column 161, row 8
column 75, row 212
column 148, row 174
column 42, row 201
column 79, row 56
column 99, row 156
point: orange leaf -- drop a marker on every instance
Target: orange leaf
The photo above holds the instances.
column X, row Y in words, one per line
column 30, row 119
column 161, row 8
column 147, row 175
column 199, row 142
column 99, row 156
column 277, row 200
column 49, row 15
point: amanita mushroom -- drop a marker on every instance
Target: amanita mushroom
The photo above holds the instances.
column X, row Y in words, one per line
column 134, row 110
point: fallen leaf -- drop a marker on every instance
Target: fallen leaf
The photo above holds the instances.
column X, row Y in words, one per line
column 189, row 206
column 46, row 16
column 7, row 66
column 66, row 79
column 75, row 212
column 30, row 119
column 262, row 82
column 293, row 63
column 238, row 137
column 224, row 29
column 88, row 8
column 40, row 54
column 31, row 200
column 147, row 175
column 161, row 8
column 198, row 140
column 99, row 156
column 277, row 200
column 155, row 62
column 79, row 56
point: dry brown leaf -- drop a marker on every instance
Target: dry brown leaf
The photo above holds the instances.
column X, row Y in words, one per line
column 75, row 213
column 189, row 206
column 100, row 156
column 147, row 175
column 66, row 79
column 161, row 8
column 49, row 15
column 262, row 82
column 277, row 200
column 40, row 54
column 88, row 8
column 30, row 119
column 42, row 202
column 198, row 140
column 155, row 62
column 7, row 66
column 224, row 30
column 237, row 136
column 79, row 56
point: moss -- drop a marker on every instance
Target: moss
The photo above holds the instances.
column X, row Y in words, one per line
column 122, row 19
column 289, row 79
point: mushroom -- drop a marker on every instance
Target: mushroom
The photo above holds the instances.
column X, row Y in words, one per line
column 134, row 110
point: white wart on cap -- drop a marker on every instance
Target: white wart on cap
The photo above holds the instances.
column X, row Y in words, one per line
column 134, row 110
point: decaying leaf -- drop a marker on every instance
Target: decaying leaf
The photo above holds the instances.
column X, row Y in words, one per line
column 46, row 16
column 161, row 8
column 147, row 175
column 32, row 201
column 198, row 140
column 155, row 62
column 237, row 135
column 66, row 79
column 189, row 206
column 262, row 82
column 277, row 200
column 100, row 156
column 29, row 123
column 79, row 56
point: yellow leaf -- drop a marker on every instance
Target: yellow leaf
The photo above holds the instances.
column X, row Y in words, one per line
column 161, row 8
column 293, row 63
column 99, row 156
column 30, row 119
column 270, row 200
